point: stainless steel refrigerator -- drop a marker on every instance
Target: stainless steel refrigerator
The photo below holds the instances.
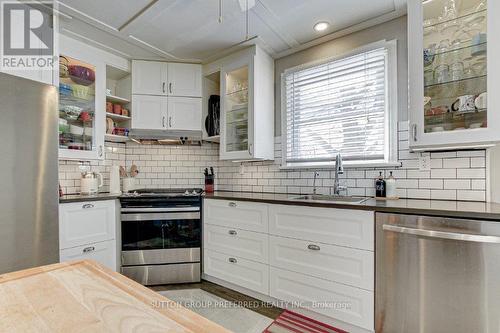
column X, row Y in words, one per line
column 29, row 225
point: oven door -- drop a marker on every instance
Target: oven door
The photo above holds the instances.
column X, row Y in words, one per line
column 160, row 236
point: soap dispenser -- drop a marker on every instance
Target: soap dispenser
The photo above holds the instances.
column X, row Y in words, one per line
column 391, row 186
column 380, row 186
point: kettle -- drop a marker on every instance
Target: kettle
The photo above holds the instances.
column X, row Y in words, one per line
column 91, row 182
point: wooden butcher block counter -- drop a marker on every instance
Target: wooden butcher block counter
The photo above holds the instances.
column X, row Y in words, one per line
column 83, row 296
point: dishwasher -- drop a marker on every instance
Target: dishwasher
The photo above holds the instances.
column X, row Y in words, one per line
column 436, row 275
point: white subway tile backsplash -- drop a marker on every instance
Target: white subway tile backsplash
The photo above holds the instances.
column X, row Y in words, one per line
column 444, row 173
column 457, row 184
column 471, row 195
column 454, row 175
column 444, row 194
column 456, row 163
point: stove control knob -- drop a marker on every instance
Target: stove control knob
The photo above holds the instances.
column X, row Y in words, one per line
column 186, row 193
column 194, row 192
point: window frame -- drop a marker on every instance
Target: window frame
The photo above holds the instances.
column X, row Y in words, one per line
column 391, row 112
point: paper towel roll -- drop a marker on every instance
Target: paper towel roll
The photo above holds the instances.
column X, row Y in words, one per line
column 114, row 180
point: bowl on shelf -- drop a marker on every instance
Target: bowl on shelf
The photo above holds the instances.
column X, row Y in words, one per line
column 64, row 89
column 76, row 130
column 63, row 67
column 81, row 74
column 82, row 92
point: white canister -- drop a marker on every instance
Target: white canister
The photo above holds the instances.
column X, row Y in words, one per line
column 128, row 184
column 114, row 180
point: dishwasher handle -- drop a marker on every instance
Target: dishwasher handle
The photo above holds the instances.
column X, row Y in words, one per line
column 442, row 234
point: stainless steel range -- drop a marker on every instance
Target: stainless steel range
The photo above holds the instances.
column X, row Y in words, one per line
column 161, row 236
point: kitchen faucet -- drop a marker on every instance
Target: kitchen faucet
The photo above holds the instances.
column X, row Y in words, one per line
column 316, row 174
column 339, row 170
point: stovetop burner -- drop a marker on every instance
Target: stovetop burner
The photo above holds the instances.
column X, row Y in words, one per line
column 165, row 192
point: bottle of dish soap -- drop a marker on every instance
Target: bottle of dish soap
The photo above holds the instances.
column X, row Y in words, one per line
column 391, row 186
column 380, row 187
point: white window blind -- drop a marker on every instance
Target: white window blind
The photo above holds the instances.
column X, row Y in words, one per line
column 337, row 107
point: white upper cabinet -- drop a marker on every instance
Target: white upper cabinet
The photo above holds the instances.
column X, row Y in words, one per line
column 149, row 112
column 184, row 113
column 184, row 80
column 161, row 78
column 166, row 96
column 149, row 77
column 247, row 105
column 453, row 72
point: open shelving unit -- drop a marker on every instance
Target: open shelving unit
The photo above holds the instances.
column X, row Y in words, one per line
column 118, row 82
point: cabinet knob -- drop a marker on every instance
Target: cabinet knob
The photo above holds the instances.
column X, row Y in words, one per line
column 414, row 129
column 163, row 122
column 232, row 232
column 163, row 87
column 170, row 121
column 232, row 204
column 170, row 87
column 232, row 260
column 88, row 249
column 88, row 206
column 313, row 247
column 101, row 151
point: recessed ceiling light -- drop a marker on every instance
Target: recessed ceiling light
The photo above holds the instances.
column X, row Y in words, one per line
column 426, row 1
column 321, row 26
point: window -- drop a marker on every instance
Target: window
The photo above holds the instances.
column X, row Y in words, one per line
column 346, row 105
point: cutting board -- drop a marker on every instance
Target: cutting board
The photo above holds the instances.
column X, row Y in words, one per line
column 83, row 296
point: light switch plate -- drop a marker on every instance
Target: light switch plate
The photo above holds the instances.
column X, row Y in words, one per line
column 424, row 162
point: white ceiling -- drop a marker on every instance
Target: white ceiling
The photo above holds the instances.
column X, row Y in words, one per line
column 189, row 30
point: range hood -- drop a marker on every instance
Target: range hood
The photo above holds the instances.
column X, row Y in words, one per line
column 166, row 137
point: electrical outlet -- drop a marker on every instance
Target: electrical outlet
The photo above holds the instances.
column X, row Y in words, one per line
column 424, row 163
column 242, row 169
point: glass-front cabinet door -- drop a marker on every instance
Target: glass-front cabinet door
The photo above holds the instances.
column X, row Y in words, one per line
column 237, row 110
column 80, row 136
column 449, row 75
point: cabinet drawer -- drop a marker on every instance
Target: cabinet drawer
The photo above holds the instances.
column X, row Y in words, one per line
column 330, row 262
column 345, row 227
column 351, row 305
column 245, row 273
column 86, row 222
column 250, row 216
column 103, row 252
column 241, row 243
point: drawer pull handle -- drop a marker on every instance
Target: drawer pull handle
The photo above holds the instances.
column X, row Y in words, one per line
column 313, row 247
column 88, row 249
column 88, row 206
column 232, row 232
column 233, row 260
column 232, row 204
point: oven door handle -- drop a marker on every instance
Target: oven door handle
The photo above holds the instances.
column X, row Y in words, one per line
column 161, row 216
column 160, row 210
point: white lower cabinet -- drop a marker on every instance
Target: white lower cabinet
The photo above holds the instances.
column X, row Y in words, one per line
column 103, row 252
column 245, row 273
column 252, row 216
column 345, row 227
column 322, row 258
column 241, row 243
column 351, row 305
column 330, row 262
column 87, row 230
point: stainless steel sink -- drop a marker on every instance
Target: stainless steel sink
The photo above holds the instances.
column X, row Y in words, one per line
column 331, row 198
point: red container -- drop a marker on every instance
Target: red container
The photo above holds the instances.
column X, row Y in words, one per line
column 117, row 109
column 109, row 107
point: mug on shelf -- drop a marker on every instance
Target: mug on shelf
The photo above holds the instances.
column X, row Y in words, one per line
column 481, row 101
column 465, row 103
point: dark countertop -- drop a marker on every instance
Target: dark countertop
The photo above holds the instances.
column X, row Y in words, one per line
column 463, row 209
column 88, row 197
